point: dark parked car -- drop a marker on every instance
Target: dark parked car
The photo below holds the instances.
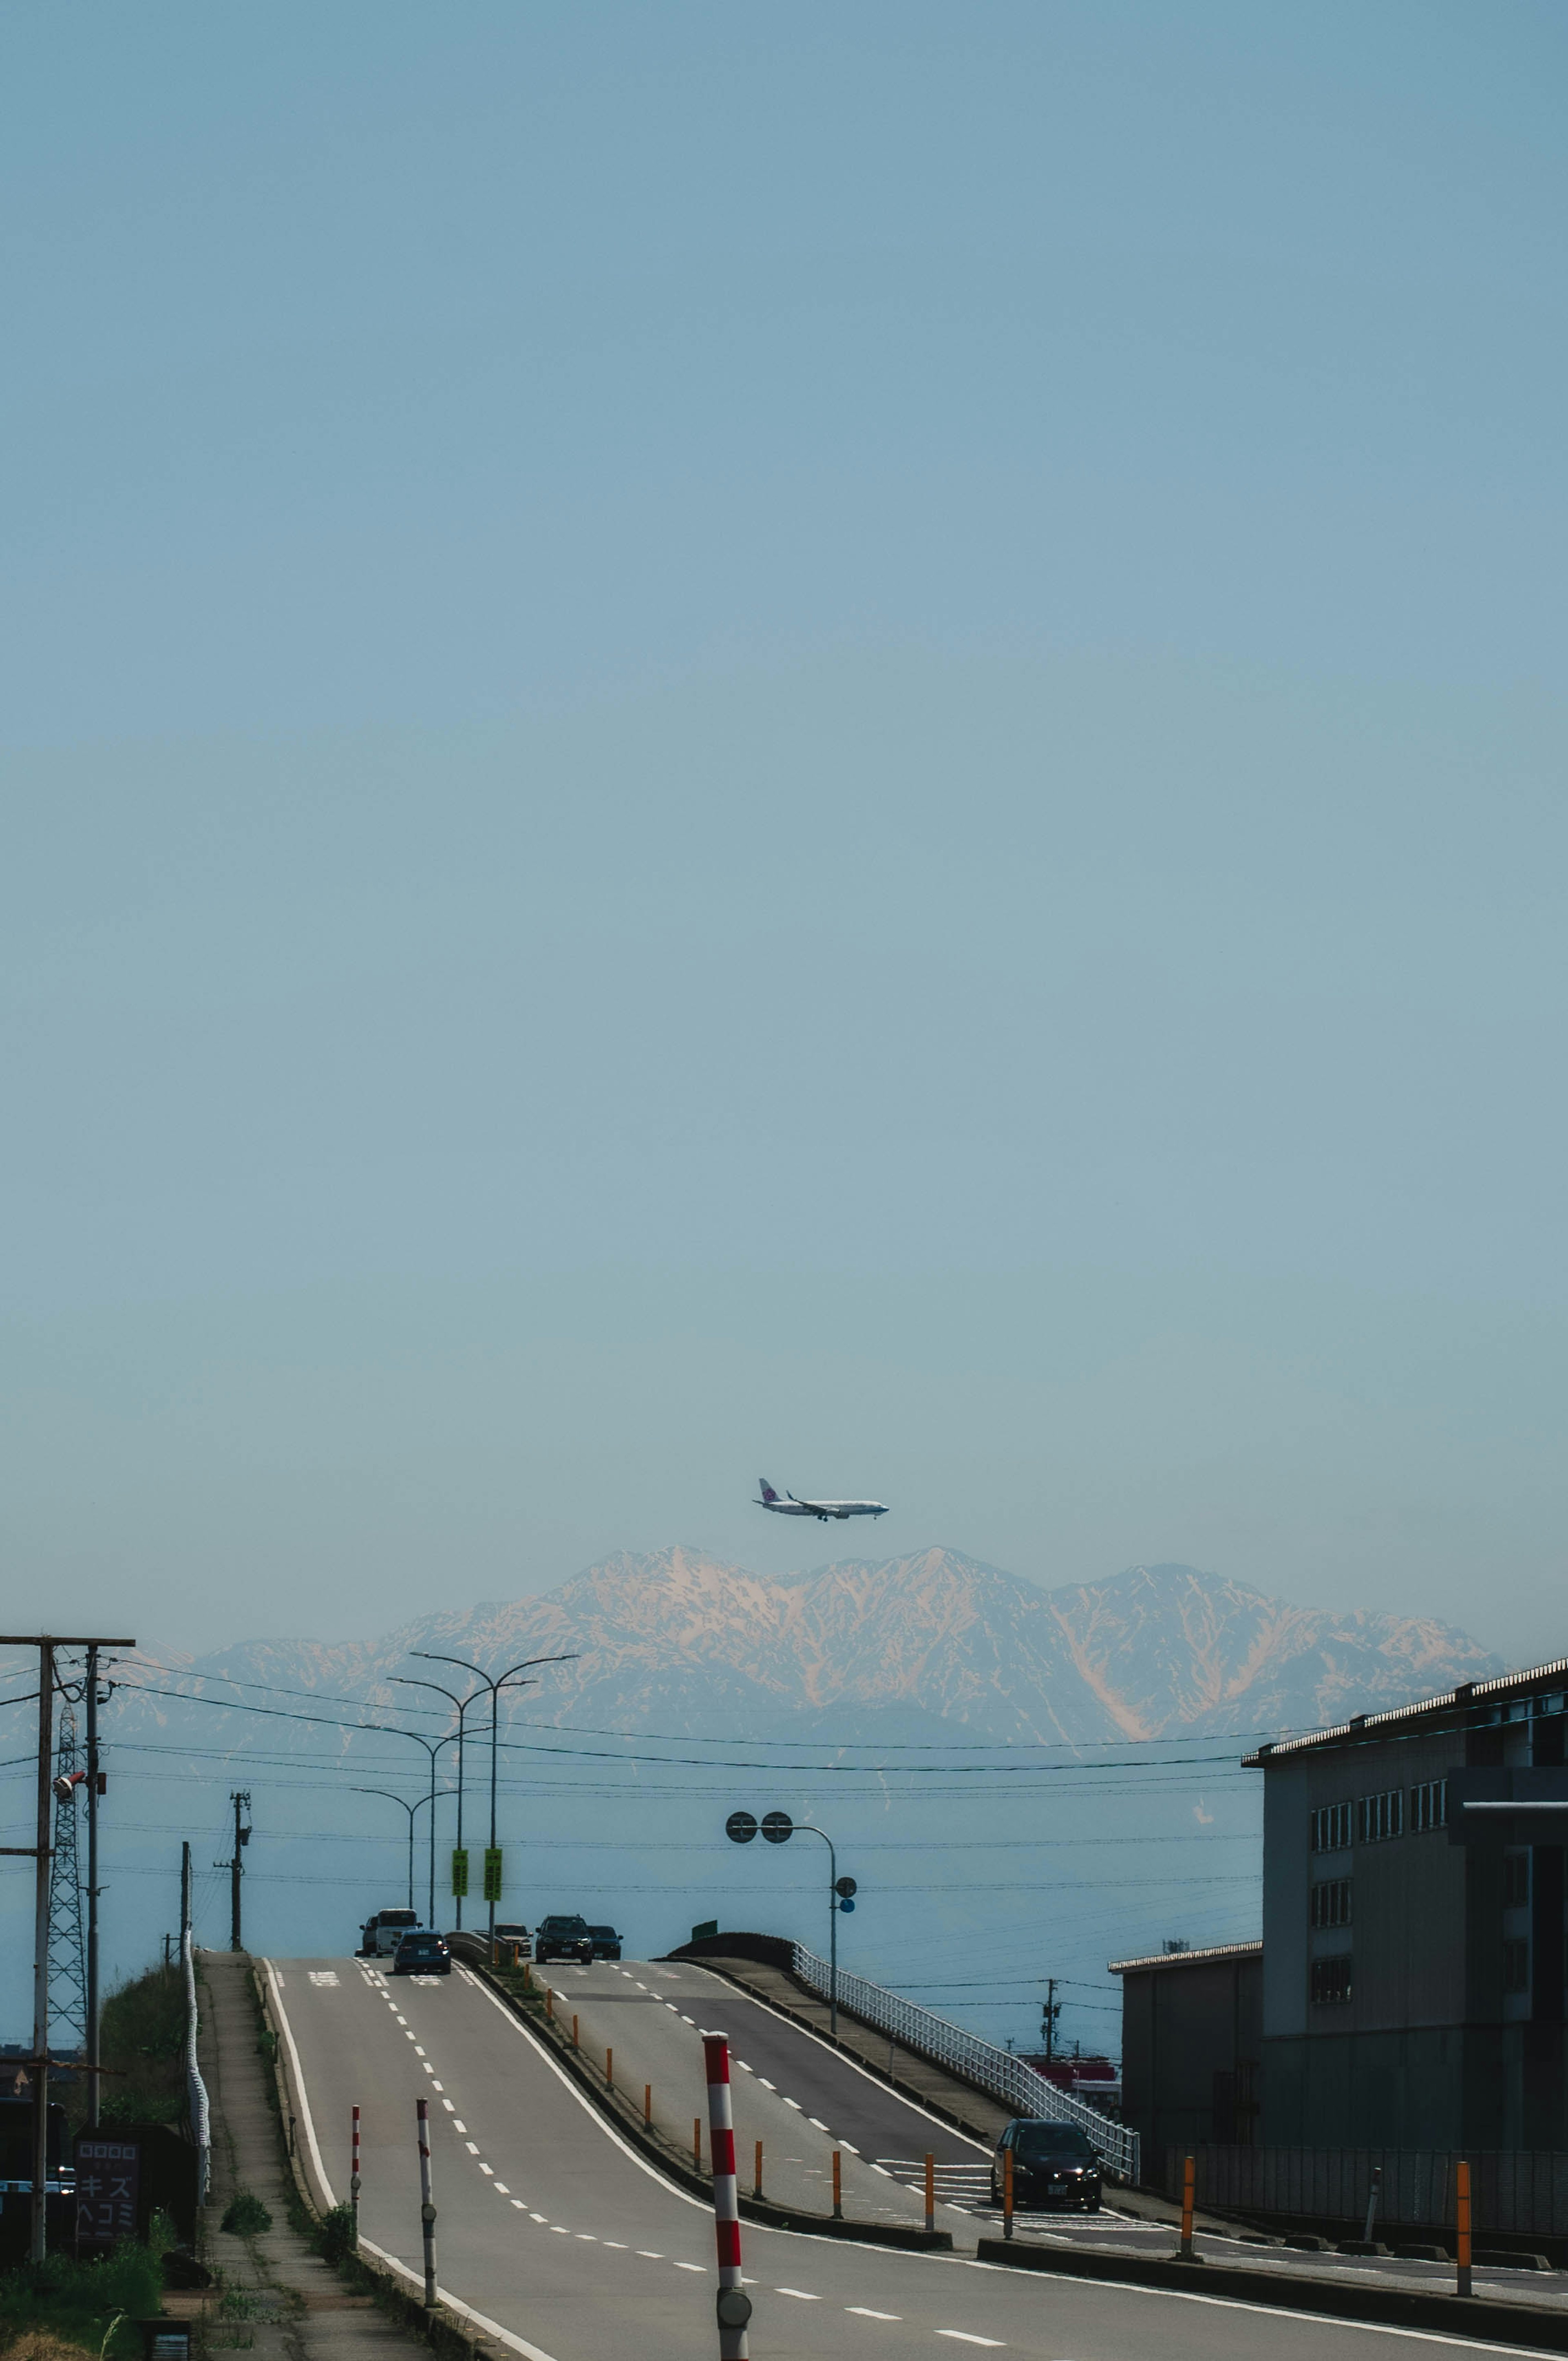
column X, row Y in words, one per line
column 562, row 1938
column 1053, row 2164
column 422, row 1954
column 607, row 1942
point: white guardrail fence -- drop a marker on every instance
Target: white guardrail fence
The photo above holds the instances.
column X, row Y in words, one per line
column 196, row 2089
column 997, row 2071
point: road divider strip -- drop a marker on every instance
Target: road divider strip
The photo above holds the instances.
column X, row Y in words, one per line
column 1471, row 2319
column 625, row 2127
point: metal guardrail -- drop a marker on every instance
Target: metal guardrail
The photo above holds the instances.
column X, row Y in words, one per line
column 996, row 2071
column 196, row 2089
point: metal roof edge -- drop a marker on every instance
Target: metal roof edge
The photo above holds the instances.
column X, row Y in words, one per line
column 1356, row 1726
column 1251, row 1950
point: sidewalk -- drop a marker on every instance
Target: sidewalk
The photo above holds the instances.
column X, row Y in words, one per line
column 278, row 2300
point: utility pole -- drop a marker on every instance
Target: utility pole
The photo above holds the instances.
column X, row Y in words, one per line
column 185, row 1896
column 47, row 1646
column 94, row 1781
column 1050, row 2009
column 240, row 1799
column 38, row 2246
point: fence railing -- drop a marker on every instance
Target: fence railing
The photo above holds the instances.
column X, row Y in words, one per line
column 996, row 2071
column 196, row 2089
column 1518, row 2190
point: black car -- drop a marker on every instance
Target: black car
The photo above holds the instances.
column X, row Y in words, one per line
column 422, row 1954
column 1053, row 2164
column 562, row 1938
column 607, row 1942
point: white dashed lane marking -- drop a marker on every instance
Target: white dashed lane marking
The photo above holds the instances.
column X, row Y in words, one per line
column 962, row 2336
column 864, row 2311
column 799, row 2294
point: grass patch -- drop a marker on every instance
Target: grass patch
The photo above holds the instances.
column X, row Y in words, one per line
column 245, row 2216
column 143, row 2039
column 60, row 2304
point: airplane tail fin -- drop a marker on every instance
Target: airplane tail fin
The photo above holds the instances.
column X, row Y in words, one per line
column 766, row 1489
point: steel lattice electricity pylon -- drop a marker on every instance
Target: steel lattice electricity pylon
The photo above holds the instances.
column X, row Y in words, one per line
column 66, row 1940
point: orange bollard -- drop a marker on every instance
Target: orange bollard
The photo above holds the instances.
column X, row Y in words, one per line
column 757, row 2177
column 1007, row 2193
column 550, row 2003
column 609, row 2070
column 575, row 2041
column 697, row 2141
column 838, row 2189
column 648, row 2102
column 1189, row 2181
column 930, row 2192
column 1462, row 2225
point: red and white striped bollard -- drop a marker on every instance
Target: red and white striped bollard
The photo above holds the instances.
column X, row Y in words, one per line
column 734, row 2305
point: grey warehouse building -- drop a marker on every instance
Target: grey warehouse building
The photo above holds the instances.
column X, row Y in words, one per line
column 1413, row 1925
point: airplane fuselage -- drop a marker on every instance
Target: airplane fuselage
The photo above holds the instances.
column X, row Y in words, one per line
column 821, row 1509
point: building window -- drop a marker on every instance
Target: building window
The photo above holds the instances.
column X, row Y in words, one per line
column 1516, row 1884
column 1331, row 1903
column 1331, row 1828
column 1429, row 1805
column 1331, row 1982
column 1379, row 1817
column 1516, row 1967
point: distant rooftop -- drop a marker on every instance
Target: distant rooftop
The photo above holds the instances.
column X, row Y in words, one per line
column 1187, row 1959
column 1360, row 1725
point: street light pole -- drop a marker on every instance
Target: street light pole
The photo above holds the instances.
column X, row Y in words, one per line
column 410, row 1810
column 461, row 1705
column 431, row 1656
column 433, row 1747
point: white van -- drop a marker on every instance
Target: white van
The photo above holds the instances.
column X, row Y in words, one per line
column 384, row 1932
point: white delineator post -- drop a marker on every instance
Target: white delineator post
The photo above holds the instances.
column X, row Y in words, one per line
column 426, row 2204
column 734, row 2305
column 353, row 2178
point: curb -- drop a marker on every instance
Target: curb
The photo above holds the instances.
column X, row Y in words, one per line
column 1464, row 2316
column 631, row 2127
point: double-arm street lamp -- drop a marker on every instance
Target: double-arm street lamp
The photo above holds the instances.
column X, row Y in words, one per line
column 462, row 1704
column 431, row 1656
column 433, row 1747
column 778, row 1829
column 410, row 1810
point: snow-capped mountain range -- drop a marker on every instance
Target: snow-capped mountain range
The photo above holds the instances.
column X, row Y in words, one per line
column 676, row 1642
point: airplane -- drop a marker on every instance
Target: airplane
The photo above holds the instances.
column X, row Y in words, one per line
column 821, row 1509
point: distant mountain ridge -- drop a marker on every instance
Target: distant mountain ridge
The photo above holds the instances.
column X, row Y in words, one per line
column 676, row 1642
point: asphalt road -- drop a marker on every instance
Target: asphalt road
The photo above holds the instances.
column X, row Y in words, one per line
column 790, row 2092
column 562, row 2240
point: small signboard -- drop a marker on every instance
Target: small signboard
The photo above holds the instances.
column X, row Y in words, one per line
column 708, row 1927
column 460, row 1871
column 108, row 2185
column 492, row 1872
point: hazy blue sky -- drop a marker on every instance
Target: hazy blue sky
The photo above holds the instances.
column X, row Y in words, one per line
column 822, row 742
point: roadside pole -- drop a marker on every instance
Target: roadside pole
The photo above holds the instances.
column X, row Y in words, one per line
column 1007, row 2193
column 734, row 2305
column 1464, row 2285
column 930, row 2192
column 353, row 2178
column 426, row 2204
column 1188, row 2179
